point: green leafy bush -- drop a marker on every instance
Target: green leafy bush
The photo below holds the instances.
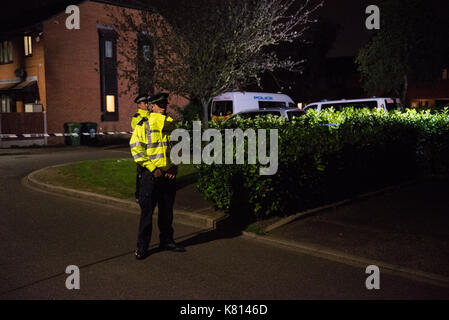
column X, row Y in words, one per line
column 190, row 112
column 328, row 156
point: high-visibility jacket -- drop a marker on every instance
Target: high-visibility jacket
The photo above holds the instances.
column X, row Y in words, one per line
column 138, row 116
column 150, row 142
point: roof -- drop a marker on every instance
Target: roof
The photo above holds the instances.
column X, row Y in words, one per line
column 269, row 110
column 25, row 84
column 235, row 94
column 20, row 15
column 7, row 86
column 351, row 100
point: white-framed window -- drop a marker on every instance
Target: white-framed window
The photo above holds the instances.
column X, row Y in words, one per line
column 147, row 52
column 5, row 52
column 5, row 103
column 108, row 49
column 28, row 46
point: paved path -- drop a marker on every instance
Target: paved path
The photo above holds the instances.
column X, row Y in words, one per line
column 407, row 227
column 41, row 234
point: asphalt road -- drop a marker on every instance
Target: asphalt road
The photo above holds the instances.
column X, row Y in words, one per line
column 41, row 234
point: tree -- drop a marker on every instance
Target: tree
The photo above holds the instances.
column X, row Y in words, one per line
column 205, row 47
column 408, row 46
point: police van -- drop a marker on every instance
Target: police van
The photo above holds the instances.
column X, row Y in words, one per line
column 371, row 103
column 230, row 103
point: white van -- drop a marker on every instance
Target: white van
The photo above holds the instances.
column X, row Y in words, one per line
column 379, row 103
column 229, row 103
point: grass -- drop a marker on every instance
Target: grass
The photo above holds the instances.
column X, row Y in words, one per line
column 257, row 229
column 112, row 177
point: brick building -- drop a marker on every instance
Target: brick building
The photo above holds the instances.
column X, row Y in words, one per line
column 430, row 94
column 51, row 75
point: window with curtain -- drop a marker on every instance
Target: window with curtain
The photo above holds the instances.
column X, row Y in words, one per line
column 28, row 46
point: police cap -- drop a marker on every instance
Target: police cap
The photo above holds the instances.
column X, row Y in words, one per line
column 141, row 98
column 161, row 99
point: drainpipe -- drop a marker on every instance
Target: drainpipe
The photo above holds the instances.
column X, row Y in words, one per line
column 45, row 126
column 1, row 142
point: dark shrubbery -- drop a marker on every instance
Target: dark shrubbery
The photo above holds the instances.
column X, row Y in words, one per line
column 321, row 163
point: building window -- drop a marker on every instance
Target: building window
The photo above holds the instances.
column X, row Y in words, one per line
column 108, row 74
column 145, row 63
column 5, row 52
column 5, row 103
column 445, row 75
column 110, row 103
column 28, row 46
column 108, row 49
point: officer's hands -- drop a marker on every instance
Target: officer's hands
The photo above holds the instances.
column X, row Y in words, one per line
column 157, row 173
column 171, row 173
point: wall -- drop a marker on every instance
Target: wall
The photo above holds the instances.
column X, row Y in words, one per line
column 73, row 76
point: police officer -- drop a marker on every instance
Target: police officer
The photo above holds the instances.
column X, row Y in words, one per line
column 150, row 147
column 142, row 106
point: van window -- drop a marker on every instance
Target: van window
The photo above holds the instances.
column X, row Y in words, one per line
column 393, row 104
column 272, row 104
column 222, row 108
column 252, row 115
column 338, row 106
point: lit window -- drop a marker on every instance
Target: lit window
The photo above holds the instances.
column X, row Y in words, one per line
column 28, row 107
column 445, row 75
column 108, row 74
column 28, row 46
column 110, row 103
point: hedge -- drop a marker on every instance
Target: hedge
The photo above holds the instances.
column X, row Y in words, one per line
column 321, row 163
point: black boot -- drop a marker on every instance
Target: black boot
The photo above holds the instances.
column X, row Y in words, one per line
column 141, row 254
column 171, row 246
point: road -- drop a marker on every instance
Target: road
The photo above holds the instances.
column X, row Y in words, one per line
column 41, row 234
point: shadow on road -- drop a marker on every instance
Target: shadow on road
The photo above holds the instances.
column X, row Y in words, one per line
column 227, row 229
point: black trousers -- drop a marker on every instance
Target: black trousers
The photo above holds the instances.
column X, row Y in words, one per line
column 138, row 177
column 161, row 192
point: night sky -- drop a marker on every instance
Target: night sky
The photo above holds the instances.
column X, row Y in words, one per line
column 349, row 14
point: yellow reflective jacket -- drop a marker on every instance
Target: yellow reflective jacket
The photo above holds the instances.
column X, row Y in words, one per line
column 138, row 116
column 150, row 142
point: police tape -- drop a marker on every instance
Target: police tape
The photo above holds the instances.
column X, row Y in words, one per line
column 46, row 135
column 92, row 134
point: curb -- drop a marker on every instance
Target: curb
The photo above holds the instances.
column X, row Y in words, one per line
column 115, row 146
column 334, row 205
column 180, row 216
column 333, row 255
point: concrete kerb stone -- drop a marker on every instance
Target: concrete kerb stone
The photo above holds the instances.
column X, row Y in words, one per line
column 180, row 216
column 341, row 257
column 334, row 205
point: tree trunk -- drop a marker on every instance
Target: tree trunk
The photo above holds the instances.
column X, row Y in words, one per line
column 404, row 90
column 205, row 113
